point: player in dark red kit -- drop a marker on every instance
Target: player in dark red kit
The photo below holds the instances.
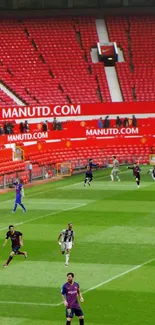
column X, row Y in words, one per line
column 70, row 293
column 136, row 173
column 89, row 175
column 17, row 241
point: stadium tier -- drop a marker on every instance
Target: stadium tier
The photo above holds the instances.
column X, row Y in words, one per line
column 135, row 36
column 43, row 62
column 11, row 166
column 49, row 61
column 79, row 156
column 5, row 100
column 77, row 159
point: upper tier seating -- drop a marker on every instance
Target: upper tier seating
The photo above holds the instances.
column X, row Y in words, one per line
column 44, row 61
column 49, row 61
column 5, row 100
column 135, row 36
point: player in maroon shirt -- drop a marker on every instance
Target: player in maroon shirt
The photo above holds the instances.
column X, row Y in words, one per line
column 136, row 173
column 70, row 292
column 17, row 241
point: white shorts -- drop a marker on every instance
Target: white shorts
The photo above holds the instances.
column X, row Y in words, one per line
column 114, row 171
column 66, row 245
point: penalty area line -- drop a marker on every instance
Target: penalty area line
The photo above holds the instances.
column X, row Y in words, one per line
column 88, row 290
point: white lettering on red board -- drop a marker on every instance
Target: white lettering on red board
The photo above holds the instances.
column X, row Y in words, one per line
column 27, row 136
column 40, row 111
column 110, row 131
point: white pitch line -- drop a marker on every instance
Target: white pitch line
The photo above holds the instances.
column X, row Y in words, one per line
column 90, row 289
column 119, row 275
column 26, row 303
column 46, row 215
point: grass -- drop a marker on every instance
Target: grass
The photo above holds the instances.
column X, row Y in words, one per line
column 113, row 258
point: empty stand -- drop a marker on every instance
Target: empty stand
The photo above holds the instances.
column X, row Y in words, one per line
column 78, row 158
column 103, row 156
column 8, row 166
column 87, row 28
column 142, row 36
column 22, row 69
column 135, row 36
column 5, row 100
column 48, row 61
column 68, row 59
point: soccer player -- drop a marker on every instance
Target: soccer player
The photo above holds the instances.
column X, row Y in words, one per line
column 136, row 173
column 152, row 172
column 89, row 174
column 67, row 237
column 115, row 170
column 17, row 241
column 19, row 195
column 70, row 293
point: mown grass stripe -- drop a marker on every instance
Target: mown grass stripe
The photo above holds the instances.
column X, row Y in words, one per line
column 84, row 292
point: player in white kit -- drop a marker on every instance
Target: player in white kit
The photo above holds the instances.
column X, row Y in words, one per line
column 67, row 241
column 115, row 170
column 152, row 171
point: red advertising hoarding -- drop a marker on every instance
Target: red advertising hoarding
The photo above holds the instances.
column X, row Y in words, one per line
column 79, row 132
column 91, row 143
column 71, row 110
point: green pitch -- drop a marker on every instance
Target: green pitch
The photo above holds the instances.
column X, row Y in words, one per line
column 113, row 258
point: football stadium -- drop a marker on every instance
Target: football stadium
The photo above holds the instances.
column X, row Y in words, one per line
column 77, row 162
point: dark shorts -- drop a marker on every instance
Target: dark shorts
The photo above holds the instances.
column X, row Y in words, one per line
column 73, row 311
column 15, row 249
column 18, row 199
column 89, row 175
column 138, row 177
